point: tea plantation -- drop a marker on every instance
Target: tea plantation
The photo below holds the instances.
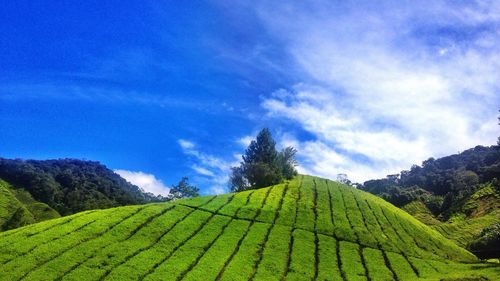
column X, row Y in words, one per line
column 306, row 229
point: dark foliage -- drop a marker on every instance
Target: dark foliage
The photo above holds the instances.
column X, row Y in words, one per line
column 183, row 190
column 263, row 165
column 70, row 185
column 287, row 162
column 487, row 245
column 443, row 182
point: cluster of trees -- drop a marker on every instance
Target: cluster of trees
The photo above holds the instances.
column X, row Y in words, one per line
column 70, row 185
column 441, row 183
column 263, row 165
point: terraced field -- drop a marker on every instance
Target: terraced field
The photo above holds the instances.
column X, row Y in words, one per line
column 306, row 229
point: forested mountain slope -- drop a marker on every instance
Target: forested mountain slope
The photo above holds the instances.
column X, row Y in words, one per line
column 459, row 195
column 308, row 228
column 18, row 208
column 70, row 185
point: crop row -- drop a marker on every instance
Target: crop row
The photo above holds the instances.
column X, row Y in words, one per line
column 85, row 229
column 328, row 208
column 202, row 245
column 304, row 229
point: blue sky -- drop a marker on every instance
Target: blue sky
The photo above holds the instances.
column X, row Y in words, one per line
column 161, row 89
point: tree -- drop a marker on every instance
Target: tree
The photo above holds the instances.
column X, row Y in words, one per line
column 260, row 162
column 237, row 180
column 262, row 165
column 287, row 162
column 342, row 178
column 183, row 190
column 263, row 149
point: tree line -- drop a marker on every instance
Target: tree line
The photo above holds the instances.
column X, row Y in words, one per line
column 441, row 183
column 71, row 185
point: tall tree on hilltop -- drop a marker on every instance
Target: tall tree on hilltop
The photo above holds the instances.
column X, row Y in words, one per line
column 262, row 164
column 183, row 190
column 287, row 162
column 263, row 149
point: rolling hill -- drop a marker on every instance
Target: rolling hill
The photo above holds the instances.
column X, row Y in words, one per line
column 306, row 229
column 18, row 208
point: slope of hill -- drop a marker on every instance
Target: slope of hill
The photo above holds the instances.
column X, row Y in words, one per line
column 70, row 185
column 18, row 208
column 459, row 195
column 477, row 212
column 308, row 228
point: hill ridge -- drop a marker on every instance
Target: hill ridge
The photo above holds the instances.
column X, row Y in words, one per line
column 252, row 235
column 293, row 228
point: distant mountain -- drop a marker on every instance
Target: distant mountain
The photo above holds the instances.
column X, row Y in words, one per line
column 70, row 186
column 305, row 229
column 458, row 195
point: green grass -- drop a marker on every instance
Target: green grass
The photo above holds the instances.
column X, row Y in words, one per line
column 241, row 267
column 464, row 231
column 377, row 267
column 351, row 260
column 305, row 229
column 302, row 266
column 418, row 209
column 273, row 254
column 401, row 266
column 328, row 266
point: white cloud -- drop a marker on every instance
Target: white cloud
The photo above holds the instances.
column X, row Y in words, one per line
column 245, row 141
column 217, row 189
column 185, row 144
column 212, row 171
column 147, row 182
column 388, row 86
column 203, row 171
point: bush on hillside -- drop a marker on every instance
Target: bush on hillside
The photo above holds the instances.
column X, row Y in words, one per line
column 487, row 244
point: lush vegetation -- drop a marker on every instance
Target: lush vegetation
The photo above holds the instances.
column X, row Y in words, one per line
column 488, row 241
column 182, row 190
column 458, row 195
column 70, row 186
column 303, row 229
column 442, row 183
column 263, row 165
column 18, row 208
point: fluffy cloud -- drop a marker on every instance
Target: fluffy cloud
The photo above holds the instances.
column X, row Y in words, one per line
column 386, row 87
column 211, row 170
column 245, row 141
column 147, row 182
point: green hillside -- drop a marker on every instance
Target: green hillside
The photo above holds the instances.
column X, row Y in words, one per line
column 457, row 195
column 306, row 229
column 478, row 211
column 18, row 208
